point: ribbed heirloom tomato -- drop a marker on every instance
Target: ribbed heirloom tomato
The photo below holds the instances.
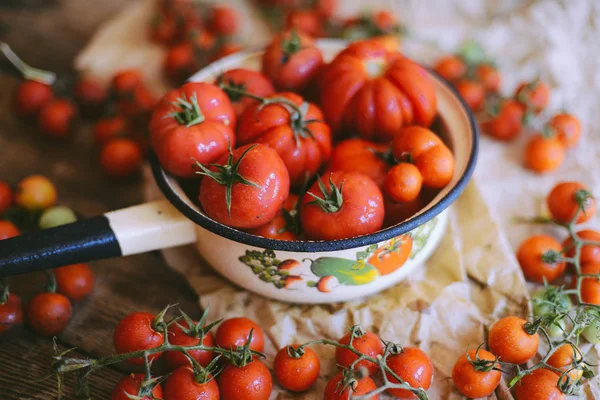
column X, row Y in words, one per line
column 130, row 385
column 365, row 342
column 569, row 198
column 363, row 156
column 182, row 334
column 412, row 365
column 476, row 374
column 538, row 258
column 184, row 384
column 509, row 340
column 294, row 128
column 194, row 122
column 335, row 389
column 247, row 80
column 296, row 371
column 375, row 92
column 137, row 331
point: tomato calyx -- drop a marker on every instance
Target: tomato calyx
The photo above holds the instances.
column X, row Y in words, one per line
column 583, row 198
column 349, row 380
column 296, row 353
column 158, row 323
column 531, row 328
column 146, row 387
column 197, row 329
column 202, row 374
column 28, row 72
column 551, row 257
column 243, row 355
column 331, row 202
column 290, row 45
column 186, row 112
column 235, row 91
column 481, row 365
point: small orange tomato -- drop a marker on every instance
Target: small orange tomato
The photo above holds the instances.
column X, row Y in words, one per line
column 507, row 123
column 508, row 340
column 541, row 384
column 56, row 117
column 296, row 373
column 567, row 199
column 31, row 97
column 564, row 357
column 590, row 287
column 472, row 92
column 165, row 28
column 536, row 256
column 223, row 20
column 366, row 343
column 370, row 157
column 412, row 365
column 403, row 182
column 391, row 256
column 544, row 154
column 6, row 197
column 567, row 127
column 121, row 157
column 306, row 21
column 123, row 82
column 335, row 389
column 35, row 193
column 489, row 77
column 474, row 376
column 109, row 128
column 451, row 68
column 589, row 254
column 8, row 230
column 534, row 95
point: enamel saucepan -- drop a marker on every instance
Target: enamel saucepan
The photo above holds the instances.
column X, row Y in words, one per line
column 294, row 271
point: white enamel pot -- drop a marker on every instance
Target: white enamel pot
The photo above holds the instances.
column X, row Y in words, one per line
column 292, row 271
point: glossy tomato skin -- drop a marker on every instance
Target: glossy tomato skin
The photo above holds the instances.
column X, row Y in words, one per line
column 391, row 256
column 403, row 182
column 75, row 281
column 335, row 391
column 125, row 81
column 368, row 344
column 177, row 336
column 11, row 312
column 234, row 332
column 589, row 254
column 302, row 152
column 412, row 365
column 364, row 80
column 306, row 21
column 56, row 117
column 489, row 77
column 176, row 145
column 451, row 68
column 291, row 67
column 358, row 155
column 530, row 254
column 508, row 123
column 541, row 384
column 251, row 382
column 49, row 313
column 251, row 206
column 563, row 206
column 510, row 342
column 567, row 127
column 251, row 81
column 544, row 154
column 35, row 192
column 472, row 383
column 563, row 358
column 278, row 227
column 135, row 332
column 8, row 230
column 224, row 20
column 31, row 97
column 6, row 197
column 130, row 384
column 110, row 128
column 535, row 95
column 361, row 213
column 296, row 374
column 182, row 385
column 121, row 157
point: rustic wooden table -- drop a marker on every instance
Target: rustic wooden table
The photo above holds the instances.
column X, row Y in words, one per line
column 48, row 34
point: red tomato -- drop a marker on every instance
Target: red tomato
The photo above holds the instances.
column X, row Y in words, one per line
column 35, row 193
column 130, row 384
column 507, row 123
column 399, row 212
column 224, row 20
column 352, row 205
column 451, row 68
column 180, row 62
column 56, row 118
column 325, row 7
column 247, row 80
column 279, row 227
column 403, row 182
column 541, row 384
column 489, row 77
column 191, row 123
column 472, row 92
column 258, row 186
column 90, row 95
column 8, row 230
column 567, row 127
column 225, row 50
column 6, row 197
column 472, row 381
column 138, row 102
column 135, row 332
column 165, row 28
column 75, row 281
column 121, row 157
column 250, row 382
column 508, row 340
column 291, row 61
column 567, row 199
column 49, row 313
column 110, row 128
column 307, row 22
column 375, row 92
column 368, row 344
column 357, row 155
column 335, row 390
column 412, row 365
column 590, row 287
column 11, row 312
column 125, row 81
column 234, row 332
column 392, row 255
column 31, row 97
column 531, row 255
column 296, row 374
column 302, row 141
column 179, row 337
column 183, row 385
column 544, row 154
column 534, row 95
column 589, row 254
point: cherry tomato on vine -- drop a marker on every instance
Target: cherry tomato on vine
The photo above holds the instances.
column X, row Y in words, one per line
column 567, row 127
column 130, row 384
column 507, row 123
column 363, row 156
column 590, row 287
column 474, row 376
column 452, row 68
column 541, row 384
column 564, row 358
column 56, row 118
column 347, row 204
column 537, row 258
column 234, row 332
column 136, row 331
column 178, row 336
column 550, row 300
column 49, row 313
column 534, row 95
column 35, row 193
column 544, row 154
column 11, row 312
column 8, row 230
column 90, row 95
column 403, row 182
column 567, row 199
column 75, row 281
column 489, row 77
column 180, row 62
column 31, row 97
column 165, row 28
column 252, row 82
column 589, row 254
column 308, row 22
column 224, row 20
column 509, row 340
column 137, row 102
column 412, row 365
column 472, row 92
column 250, row 382
column 121, row 157
column 125, row 81
column 336, row 391
column 110, row 128
column 297, row 374
column 6, row 197
column 183, row 385
column 368, row 343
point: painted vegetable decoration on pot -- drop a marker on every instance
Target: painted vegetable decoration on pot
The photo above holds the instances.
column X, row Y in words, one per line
column 392, row 255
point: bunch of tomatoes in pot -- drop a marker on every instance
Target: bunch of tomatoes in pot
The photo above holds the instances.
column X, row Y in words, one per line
column 32, row 206
column 270, row 160
column 478, row 81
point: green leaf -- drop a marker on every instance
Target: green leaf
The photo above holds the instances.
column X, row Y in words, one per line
column 347, row 272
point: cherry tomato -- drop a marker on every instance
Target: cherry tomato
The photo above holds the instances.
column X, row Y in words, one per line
column 90, row 96
column 110, row 128
column 472, row 92
column 75, row 281
column 589, row 254
column 368, row 344
column 180, row 62
column 31, row 97
column 566, row 199
column 191, row 123
column 567, row 127
column 489, row 77
column 375, row 92
column 250, row 382
column 234, row 332
column 427, row 152
column 335, row 390
column 507, row 123
column 403, row 182
column 8, row 230
column 308, row 22
column 138, row 102
column 391, row 256
column 412, row 365
column 325, row 7
column 352, row 205
column 225, row 50
column 56, row 118
column 590, row 287
column 183, row 385
column 165, row 28
column 508, row 340
column 121, row 157
column 544, row 154
column 136, row 332
column 370, row 157
column 258, row 187
column 179, row 337
column 291, row 61
column 279, row 227
column 452, row 68
column 534, row 256
column 296, row 374
column 125, row 81
column 564, row 357
column 472, row 381
column 541, row 384
column 49, row 313
column 302, row 141
column 6, row 197
column 130, row 384
column 224, row 20
column 11, row 312
column 534, row 95
column 247, row 80
column 35, row 193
